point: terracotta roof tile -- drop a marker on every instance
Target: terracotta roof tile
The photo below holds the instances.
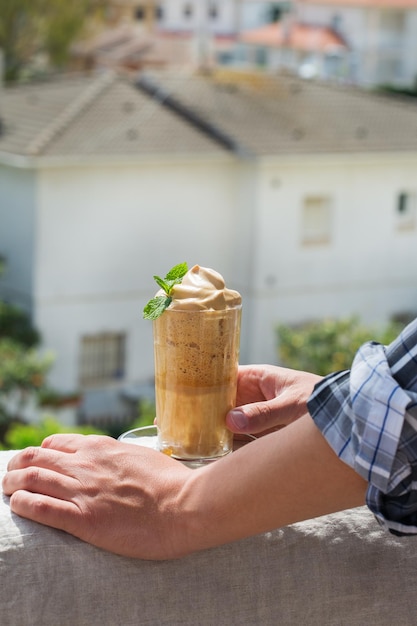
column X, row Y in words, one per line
column 298, row 36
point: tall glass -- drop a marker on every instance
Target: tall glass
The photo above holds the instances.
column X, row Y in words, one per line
column 196, row 366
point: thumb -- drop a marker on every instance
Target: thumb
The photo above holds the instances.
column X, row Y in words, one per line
column 254, row 418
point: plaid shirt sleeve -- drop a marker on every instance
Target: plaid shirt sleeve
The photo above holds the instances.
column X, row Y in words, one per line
column 368, row 415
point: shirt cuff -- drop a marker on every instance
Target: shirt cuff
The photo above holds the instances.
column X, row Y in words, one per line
column 369, row 420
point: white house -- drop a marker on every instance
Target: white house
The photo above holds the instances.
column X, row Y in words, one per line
column 382, row 35
column 302, row 195
column 310, row 50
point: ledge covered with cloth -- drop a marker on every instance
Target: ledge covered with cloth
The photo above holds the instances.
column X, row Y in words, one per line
column 337, row 570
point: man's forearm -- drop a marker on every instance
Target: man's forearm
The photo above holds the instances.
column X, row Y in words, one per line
column 282, row 478
column 140, row 503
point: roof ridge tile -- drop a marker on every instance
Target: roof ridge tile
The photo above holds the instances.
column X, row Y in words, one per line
column 38, row 144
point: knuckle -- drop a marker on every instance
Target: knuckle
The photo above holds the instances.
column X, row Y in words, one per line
column 33, row 506
column 39, row 507
column 262, row 413
column 5, row 484
column 32, row 476
column 48, row 442
column 268, row 414
column 92, row 439
column 15, row 500
column 29, row 455
column 99, row 440
column 30, row 505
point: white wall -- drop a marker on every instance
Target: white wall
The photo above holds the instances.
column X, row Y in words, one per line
column 105, row 231
column 232, row 14
column 369, row 267
column 102, row 232
column 254, row 13
column 224, row 23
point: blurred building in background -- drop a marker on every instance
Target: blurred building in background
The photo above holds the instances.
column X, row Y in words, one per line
column 302, row 194
column 175, row 33
column 363, row 42
column 381, row 36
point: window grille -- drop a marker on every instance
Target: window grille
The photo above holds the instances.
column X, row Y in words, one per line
column 102, row 359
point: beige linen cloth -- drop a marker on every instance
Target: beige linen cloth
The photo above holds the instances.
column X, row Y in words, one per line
column 337, row 570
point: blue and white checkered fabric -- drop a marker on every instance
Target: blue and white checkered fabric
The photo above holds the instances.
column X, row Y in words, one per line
column 369, row 417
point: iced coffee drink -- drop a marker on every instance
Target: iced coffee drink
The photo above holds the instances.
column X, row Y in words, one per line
column 196, row 342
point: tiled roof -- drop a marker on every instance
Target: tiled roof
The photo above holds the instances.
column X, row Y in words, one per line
column 305, row 37
column 86, row 116
column 377, row 4
column 183, row 113
column 287, row 115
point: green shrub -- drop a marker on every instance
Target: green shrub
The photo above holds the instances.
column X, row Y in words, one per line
column 146, row 414
column 22, row 372
column 15, row 324
column 21, row 368
column 51, row 398
column 20, row 436
column 328, row 345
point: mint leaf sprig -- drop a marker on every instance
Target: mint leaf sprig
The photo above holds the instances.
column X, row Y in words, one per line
column 156, row 306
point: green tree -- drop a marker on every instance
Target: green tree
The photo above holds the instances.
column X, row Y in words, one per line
column 328, row 345
column 30, row 27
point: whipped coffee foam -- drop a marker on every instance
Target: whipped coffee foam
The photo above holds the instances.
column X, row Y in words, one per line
column 203, row 289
